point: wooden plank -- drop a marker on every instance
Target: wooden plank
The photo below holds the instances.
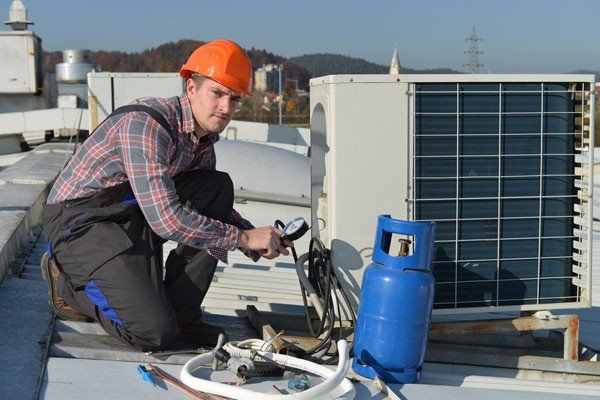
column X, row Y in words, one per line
column 268, row 333
column 262, row 322
column 497, row 325
column 300, row 342
column 445, row 354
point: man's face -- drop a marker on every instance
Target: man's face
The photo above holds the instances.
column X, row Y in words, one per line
column 212, row 104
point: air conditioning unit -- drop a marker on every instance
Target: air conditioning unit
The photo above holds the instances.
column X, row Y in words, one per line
column 502, row 163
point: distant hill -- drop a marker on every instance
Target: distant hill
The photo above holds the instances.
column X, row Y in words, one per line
column 326, row 64
column 170, row 56
column 322, row 64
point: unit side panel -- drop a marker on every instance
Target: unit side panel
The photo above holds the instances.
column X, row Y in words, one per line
column 320, row 121
column 136, row 88
column 367, row 172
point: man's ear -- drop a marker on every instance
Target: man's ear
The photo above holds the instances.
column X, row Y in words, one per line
column 190, row 86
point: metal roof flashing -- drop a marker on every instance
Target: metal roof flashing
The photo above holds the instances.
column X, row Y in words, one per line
column 416, row 78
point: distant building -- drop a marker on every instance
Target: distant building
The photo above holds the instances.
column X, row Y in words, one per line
column 266, row 78
column 395, row 64
column 260, row 79
column 301, row 93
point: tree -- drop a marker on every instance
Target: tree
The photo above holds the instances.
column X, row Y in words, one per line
column 291, row 106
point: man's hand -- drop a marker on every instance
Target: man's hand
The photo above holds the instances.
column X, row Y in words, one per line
column 266, row 240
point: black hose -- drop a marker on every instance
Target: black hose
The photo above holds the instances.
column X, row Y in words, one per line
column 304, row 281
column 321, row 280
column 323, row 260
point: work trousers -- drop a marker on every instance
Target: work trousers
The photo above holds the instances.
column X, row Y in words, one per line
column 111, row 264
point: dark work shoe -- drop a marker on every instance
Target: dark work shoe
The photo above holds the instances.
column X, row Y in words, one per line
column 200, row 333
column 59, row 306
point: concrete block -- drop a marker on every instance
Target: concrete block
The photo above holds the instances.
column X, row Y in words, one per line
column 23, row 191
column 41, row 166
column 14, row 196
column 13, row 230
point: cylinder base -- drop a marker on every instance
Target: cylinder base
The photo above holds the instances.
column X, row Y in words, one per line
column 404, row 376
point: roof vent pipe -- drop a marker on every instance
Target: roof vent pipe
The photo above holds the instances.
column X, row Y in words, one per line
column 17, row 16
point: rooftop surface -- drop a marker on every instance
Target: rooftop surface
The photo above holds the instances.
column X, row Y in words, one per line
column 48, row 358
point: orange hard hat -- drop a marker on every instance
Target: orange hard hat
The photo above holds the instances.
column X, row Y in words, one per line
column 221, row 60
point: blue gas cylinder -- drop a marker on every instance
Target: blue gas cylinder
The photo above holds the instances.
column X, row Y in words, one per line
column 396, row 300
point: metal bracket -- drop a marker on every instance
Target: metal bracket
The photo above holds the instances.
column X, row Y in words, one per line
column 570, row 323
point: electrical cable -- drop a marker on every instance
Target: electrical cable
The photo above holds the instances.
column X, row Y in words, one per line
column 321, row 286
column 322, row 283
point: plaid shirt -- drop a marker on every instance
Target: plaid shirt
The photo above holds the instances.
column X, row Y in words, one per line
column 134, row 147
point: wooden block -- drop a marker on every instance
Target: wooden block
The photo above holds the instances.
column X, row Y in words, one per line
column 269, row 333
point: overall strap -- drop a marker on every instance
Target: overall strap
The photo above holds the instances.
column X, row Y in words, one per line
column 157, row 116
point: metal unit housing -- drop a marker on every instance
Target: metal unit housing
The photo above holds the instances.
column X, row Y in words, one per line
column 109, row 90
column 21, row 66
column 502, row 163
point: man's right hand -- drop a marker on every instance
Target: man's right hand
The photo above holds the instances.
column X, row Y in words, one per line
column 266, row 240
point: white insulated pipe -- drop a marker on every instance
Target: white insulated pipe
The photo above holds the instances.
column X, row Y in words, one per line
column 335, row 386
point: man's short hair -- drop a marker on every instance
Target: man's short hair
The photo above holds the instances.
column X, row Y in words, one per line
column 197, row 78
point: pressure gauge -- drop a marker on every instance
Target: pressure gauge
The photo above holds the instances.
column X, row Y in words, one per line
column 294, row 229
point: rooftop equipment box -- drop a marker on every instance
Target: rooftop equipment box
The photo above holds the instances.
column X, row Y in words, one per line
column 502, row 164
column 21, row 66
column 108, row 91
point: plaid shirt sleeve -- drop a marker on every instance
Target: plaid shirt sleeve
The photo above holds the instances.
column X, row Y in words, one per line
column 244, row 224
column 145, row 147
column 210, row 162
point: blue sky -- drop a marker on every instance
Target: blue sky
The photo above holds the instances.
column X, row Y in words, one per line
column 519, row 36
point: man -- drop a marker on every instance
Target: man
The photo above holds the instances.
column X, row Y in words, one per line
column 144, row 177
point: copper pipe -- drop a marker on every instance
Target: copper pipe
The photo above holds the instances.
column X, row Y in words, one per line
column 164, row 375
